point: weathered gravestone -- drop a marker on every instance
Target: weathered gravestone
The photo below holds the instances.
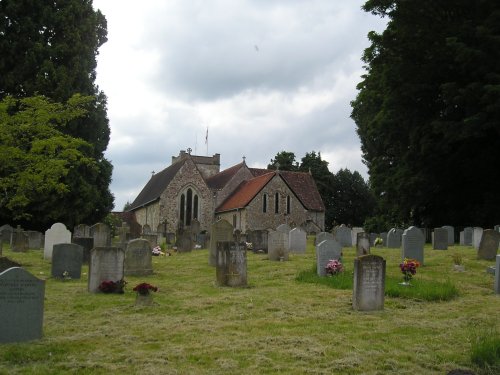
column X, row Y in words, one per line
column 440, row 239
column 297, row 241
column 101, row 234
column 87, row 243
column 343, row 235
column 146, row 229
column 152, row 238
column 231, row 264
column 81, row 230
column 195, row 229
column 35, row 239
column 123, row 233
column 468, row 231
column 369, row 283
column 283, row 228
column 184, row 240
column 277, row 245
column 451, row 234
column 6, row 233
column 363, row 244
column 106, row 263
column 258, row 239
column 383, row 235
column 477, row 233
column 354, row 234
column 462, row 239
column 19, row 243
column 394, row 237
column 326, row 251
column 497, row 275
column 170, row 237
column 56, row 234
column 22, row 297
column 413, row 244
column 138, row 258
column 488, row 246
column 67, row 260
column 221, row 230
column 373, row 237
column 323, row 236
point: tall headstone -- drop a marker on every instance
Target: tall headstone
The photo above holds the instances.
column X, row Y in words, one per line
column 497, row 275
column 87, row 243
column 477, row 233
column 138, row 258
column 81, row 230
column 468, row 231
column 394, row 237
column 277, row 245
column 184, row 240
column 363, row 244
column 369, row 283
column 451, row 234
column 101, row 234
column 20, row 243
column 413, row 244
column 56, row 234
column 440, row 239
column 354, row 234
column 231, row 265
column 106, row 263
column 343, row 235
column 297, row 241
column 462, row 238
column 326, row 251
column 67, row 259
column 22, row 297
column 488, row 246
column 221, row 230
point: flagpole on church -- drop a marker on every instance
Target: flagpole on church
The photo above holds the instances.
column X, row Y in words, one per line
column 206, row 139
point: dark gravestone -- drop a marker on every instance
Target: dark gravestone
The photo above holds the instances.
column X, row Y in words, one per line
column 231, row 266
column 440, row 239
column 468, row 231
column 413, row 244
column 369, row 283
column 138, row 258
column 21, row 306
column 451, row 234
column 87, row 243
column 184, row 241
column 373, row 237
column 489, row 245
column 394, row 238
column 6, row 233
column 170, row 237
column 20, row 243
column 67, row 260
column 106, row 263
column 258, row 239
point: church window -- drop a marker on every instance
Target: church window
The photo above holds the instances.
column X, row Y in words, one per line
column 195, row 207
column 189, row 207
column 276, row 203
column 288, row 204
column 264, row 203
column 182, row 209
column 234, row 221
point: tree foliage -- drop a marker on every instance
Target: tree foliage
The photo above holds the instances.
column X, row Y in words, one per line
column 45, row 174
column 284, row 161
column 49, row 48
column 428, row 111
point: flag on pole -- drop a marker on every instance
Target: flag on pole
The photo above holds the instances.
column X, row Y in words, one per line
column 206, row 137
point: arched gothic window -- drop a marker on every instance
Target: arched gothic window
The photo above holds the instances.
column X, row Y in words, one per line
column 189, row 206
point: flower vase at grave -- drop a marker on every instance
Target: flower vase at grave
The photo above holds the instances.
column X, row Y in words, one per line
column 144, row 299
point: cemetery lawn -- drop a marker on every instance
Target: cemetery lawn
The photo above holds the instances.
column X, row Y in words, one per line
column 277, row 325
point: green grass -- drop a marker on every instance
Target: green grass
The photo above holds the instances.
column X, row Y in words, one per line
column 486, row 351
column 277, row 325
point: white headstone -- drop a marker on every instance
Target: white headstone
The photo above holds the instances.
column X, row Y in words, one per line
column 56, row 234
column 297, row 241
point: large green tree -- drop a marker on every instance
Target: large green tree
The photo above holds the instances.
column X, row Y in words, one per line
column 428, row 111
column 285, row 161
column 49, row 48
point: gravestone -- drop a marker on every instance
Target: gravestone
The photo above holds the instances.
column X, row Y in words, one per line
column 87, row 244
column 19, row 243
column 326, row 251
column 67, row 257
column 170, row 238
column 373, row 237
column 283, row 228
column 413, row 244
column 363, row 244
column 383, row 235
column 195, row 229
column 146, row 229
column 123, row 233
column 221, row 230
column 138, row 258
column 184, row 240
column 477, row 233
column 231, row 264
column 462, row 239
column 258, row 239
column 369, row 283
column 6, row 233
column 488, row 246
column 354, row 234
column 56, row 234
column 468, row 231
column 35, row 239
column 277, row 245
column 322, row 236
column 297, row 241
column 440, row 239
column 22, row 297
column 106, row 263
column 101, row 234
column 343, row 235
column 202, row 240
column 394, row 237
column 152, row 238
column 451, row 234
column 81, row 230
column 497, row 275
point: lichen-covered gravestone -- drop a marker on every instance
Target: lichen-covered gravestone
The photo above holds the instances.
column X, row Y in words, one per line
column 231, row 268
column 488, row 246
column 363, row 244
column 369, row 283
column 106, row 263
column 221, row 230
column 21, row 306
column 101, row 234
column 138, row 258
column 277, row 245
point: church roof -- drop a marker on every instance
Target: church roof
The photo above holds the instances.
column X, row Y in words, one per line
column 304, row 187
column 156, row 185
column 219, row 180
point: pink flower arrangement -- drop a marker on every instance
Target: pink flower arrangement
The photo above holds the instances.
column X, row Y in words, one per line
column 334, row 267
column 409, row 268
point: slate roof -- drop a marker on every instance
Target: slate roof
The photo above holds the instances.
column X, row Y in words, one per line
column 156, row 185
column 302, row 185
column 219, row 180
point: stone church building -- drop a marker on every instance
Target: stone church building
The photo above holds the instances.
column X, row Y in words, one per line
column 193, row 187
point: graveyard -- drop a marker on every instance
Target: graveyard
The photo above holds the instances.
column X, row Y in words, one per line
column 275, row 324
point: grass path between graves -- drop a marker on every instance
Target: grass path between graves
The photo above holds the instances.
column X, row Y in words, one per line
column 277, row 325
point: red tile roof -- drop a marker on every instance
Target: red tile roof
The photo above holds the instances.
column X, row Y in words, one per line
column 219, row 180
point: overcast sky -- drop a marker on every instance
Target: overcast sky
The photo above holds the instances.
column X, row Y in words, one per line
column 262, row 76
